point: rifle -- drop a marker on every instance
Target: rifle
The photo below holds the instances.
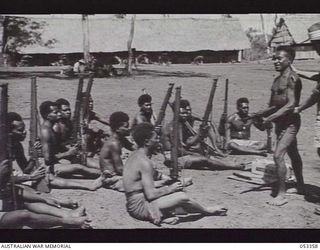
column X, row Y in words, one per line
column 6, row 144
column 163, row 108
column 208, row 110
column 174, row 170
column 43, row 184
column 84, row 121
column 261, row 114
column 224, row 116
column 269, row 140
column 76, row 113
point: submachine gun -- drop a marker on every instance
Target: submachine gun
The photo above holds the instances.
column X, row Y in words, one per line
column 43, row 184
column 8, row 194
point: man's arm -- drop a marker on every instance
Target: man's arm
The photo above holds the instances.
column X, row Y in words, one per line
column 287, row 108
column 110, row 155
column 311, row 100
column 21, row 158
column 150, row 191
column 47, row 149
column 310, row 75
column 116, row 158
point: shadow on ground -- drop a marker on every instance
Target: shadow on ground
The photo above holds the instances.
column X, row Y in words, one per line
column 157, row 73
column 312, row 193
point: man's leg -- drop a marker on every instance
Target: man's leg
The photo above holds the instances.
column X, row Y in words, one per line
column 42, row 208
column 68, row 170
column 93, row 163
column 239, row 149
column 296, row 163
column 31, row 195
column 61, row 183
column 20, row 218
column 180, row 199
column 198, row 162
column 285, row 139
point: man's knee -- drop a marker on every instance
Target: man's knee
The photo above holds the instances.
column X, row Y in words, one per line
column 24, row 215
column 182, row 197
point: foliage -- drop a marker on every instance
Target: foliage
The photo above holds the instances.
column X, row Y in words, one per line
column 20, row 32
column 258, row 43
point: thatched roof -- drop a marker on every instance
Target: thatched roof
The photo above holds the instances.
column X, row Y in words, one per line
column 294, row 31
column 111, row 35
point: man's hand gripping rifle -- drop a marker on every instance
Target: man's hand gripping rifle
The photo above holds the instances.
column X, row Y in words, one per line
column 42, row 184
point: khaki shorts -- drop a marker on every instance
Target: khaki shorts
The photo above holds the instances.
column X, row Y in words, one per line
column 245, row 143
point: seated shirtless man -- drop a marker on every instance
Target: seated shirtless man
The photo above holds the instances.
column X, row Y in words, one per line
column 50, row 143
column 10, row 218
column 144, row 200
column 239, row 126
column 110, row 157
column 191, row 154
column 34, row 200
column 145, row 113
column 64, row 131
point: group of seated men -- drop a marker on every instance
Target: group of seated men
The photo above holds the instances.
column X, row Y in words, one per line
column 151, row 195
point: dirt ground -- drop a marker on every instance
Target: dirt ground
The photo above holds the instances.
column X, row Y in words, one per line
column 106, row 208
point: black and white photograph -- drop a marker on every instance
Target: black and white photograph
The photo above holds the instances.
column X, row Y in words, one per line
column 160, row 121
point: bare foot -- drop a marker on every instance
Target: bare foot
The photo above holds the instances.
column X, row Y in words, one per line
column 295, row 190
column 171, row 220
column 69, row 203
column 97, row 183
column 78, row 222
column 53, row 202
column 79, row 212
column 217, row 210
column 317, row 211
column 278, row 201
column 187, row 181
column 245, row 166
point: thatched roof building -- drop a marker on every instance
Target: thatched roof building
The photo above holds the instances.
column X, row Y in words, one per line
column 111, row 35
column 221, row 40
column 293, row 32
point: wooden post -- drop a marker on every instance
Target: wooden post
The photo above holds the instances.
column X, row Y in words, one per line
column 130, row 55
column 264, row 33
column 86, row 44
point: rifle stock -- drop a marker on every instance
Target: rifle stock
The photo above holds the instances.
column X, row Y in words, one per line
column 163, row 108
column 174, row 171
column 41, row 185
column 225, row 116
column 6, row 145
column 269, row 140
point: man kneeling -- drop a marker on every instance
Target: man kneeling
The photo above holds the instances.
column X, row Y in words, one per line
column 144, row 200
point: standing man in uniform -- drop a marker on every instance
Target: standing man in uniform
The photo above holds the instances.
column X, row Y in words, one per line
column 285, row 96
column 314, row 34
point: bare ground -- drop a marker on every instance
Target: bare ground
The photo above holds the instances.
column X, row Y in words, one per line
column 106, row 208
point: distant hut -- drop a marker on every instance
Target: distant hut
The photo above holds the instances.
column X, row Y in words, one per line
column 182, row 39
column 291, row 30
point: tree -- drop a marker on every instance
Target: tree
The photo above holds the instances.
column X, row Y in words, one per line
column 258, row 44
column 19, row 32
